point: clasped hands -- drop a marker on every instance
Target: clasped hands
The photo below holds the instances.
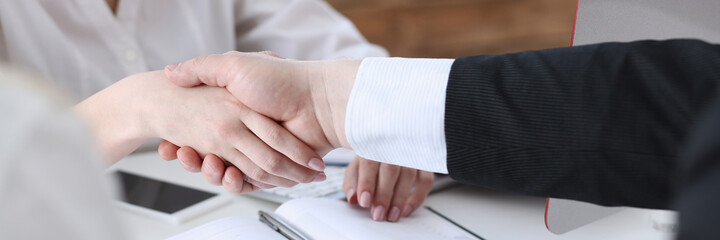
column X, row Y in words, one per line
column 273, row 123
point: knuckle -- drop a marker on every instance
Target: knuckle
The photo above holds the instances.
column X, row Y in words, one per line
column 298, row 152
column 224, row 130
column 272, row 135
column 259, row 175
column 383, row 196
column 199, row 61
column 273, row 164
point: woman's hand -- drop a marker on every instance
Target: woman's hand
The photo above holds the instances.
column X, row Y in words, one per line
column 209, row 119
column 387, row 189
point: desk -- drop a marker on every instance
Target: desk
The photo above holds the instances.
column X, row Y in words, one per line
column 490, row 214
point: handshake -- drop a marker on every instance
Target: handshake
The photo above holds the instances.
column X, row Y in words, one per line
column 255, row 120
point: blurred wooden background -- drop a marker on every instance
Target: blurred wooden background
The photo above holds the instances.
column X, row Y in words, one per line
column 454, row 28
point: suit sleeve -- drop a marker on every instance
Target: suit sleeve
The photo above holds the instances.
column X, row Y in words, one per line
column 699, row 194
column 598, row 123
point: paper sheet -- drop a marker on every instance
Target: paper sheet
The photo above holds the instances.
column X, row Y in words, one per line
column 231, row 228
column 334, row 219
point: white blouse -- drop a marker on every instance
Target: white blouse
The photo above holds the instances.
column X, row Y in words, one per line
column 81, row 45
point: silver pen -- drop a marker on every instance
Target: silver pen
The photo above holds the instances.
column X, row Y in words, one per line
column 278, row 225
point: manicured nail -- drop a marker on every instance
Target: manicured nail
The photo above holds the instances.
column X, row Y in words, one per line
column 172, row 67
column 365, row 199
column 316, row 164
column 394, row 214
column 320, row 177
column 379, row 213
column 349, row 193
column 407, row 210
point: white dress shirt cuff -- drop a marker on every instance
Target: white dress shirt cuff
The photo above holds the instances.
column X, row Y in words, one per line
column 396, row 111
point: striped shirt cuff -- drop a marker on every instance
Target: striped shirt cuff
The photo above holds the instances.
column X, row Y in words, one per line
column 396, row 112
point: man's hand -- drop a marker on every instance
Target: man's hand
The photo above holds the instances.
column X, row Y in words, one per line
column 307, row 98
column 214, row 169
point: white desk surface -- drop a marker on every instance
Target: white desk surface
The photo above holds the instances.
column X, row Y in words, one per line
column 491, row 215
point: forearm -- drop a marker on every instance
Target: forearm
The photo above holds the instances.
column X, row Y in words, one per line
column 395, row 101
column 113, row 115
column 601, row 123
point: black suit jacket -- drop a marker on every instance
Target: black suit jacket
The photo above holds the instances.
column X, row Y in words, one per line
column 604, row 123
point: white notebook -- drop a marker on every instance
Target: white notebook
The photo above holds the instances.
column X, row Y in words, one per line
column 321, row 218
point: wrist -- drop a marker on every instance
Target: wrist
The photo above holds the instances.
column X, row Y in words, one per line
column 331, row 84
column 115, row 120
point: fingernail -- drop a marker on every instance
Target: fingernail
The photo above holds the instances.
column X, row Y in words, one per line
column 407, row 210
column 172, row 67
column 227, row 179
column 316, row 164
column 189, row 168
column 379, row 213
column 394, row 214
column 365, row 199
column 320, row 177
column 195, row 169
column 349, row 193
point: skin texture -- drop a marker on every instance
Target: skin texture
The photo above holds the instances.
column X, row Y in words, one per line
column 147, row 105
column 287, row 91
column 309, row 99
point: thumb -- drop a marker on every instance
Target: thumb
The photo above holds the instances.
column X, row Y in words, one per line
column 210, row 70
